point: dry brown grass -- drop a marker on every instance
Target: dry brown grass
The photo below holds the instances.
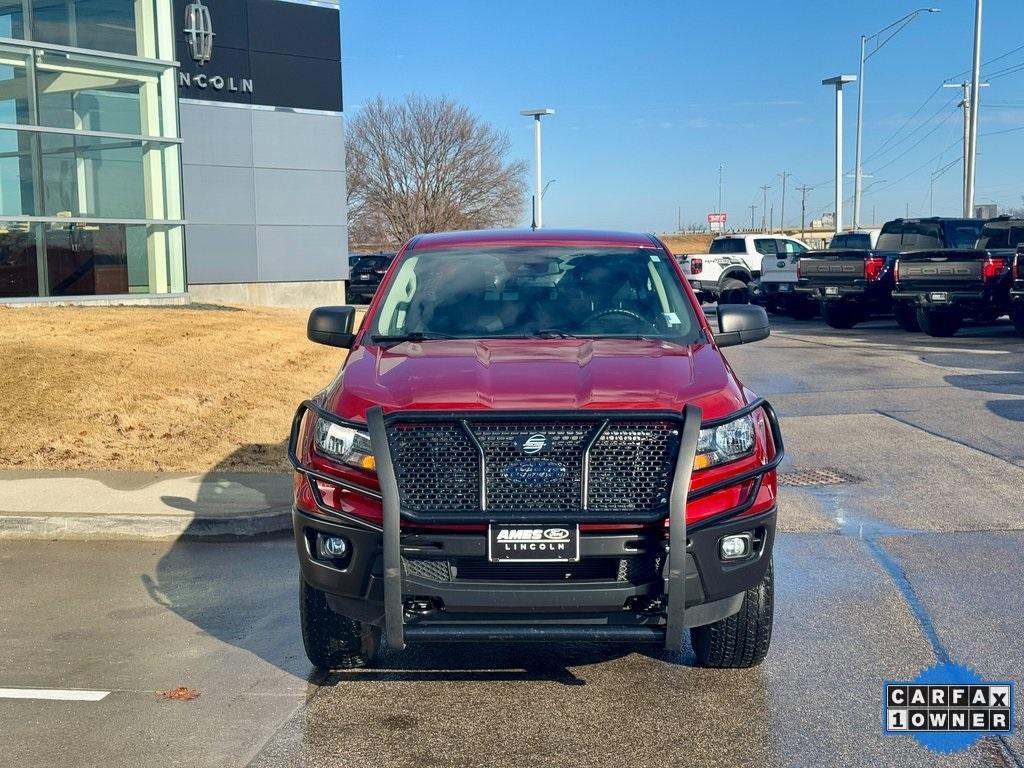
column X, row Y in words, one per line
column 166, row 389
column 687, row 243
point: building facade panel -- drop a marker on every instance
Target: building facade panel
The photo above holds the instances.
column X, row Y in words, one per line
column 298, row 141
column 300, row 197
column 229, row 144
column 219, row 194
column 300, row 253
column 231, row 254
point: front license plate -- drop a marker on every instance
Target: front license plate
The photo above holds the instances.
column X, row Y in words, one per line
column 533, row 543
column 784, row 288
column 832, row 291
column 939, row 296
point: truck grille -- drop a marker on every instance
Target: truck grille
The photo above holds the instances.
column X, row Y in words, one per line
column 467, row 465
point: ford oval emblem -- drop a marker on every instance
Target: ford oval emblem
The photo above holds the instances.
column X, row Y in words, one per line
column 533, row 472
column 781, row 264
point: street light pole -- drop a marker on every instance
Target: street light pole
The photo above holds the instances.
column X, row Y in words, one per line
column 899, row 24
column 975, row 99
column 839, row 81
column 537, row 114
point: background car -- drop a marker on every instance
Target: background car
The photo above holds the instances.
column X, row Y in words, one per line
column 366, row 270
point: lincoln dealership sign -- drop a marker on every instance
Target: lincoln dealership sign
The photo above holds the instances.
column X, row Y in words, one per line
column 199, row 35
column 292, row 50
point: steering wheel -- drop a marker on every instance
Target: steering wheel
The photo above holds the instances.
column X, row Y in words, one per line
column 624, row 313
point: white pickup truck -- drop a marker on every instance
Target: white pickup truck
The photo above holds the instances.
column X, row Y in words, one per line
column 733, row 262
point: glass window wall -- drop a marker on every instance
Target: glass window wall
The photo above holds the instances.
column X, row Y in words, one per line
column 90, row 162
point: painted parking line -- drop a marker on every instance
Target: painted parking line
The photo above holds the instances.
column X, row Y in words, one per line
column 52, row 694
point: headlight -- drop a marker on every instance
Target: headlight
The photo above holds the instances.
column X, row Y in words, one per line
column 344, row 444
column 729, row 442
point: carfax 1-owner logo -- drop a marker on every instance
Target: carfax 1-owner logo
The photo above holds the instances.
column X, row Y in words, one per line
column 947, row 707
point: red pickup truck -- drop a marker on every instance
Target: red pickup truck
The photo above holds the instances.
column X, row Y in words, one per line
column 535, row 437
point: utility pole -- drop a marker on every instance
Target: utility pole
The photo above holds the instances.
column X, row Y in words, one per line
column 975, row 98
column 965, row 104
column 679, row 220
column 764, row 205
column 782, row 211
column 803, row 207
column 771, row 221
column 752, row 209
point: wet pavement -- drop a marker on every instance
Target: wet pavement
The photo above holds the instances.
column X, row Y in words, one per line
column 915, row 560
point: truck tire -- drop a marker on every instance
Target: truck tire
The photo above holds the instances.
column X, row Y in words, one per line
column 333, row 641
column 940, row 323
column 733, row 291
column 1017, row 315
column 802, row 308
column 740, row 640
column 906, row 317
column 838, row 314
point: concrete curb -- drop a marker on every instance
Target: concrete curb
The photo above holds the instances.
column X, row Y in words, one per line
column 128, row 527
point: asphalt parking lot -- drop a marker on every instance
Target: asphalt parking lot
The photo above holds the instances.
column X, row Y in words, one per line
column 914, row 558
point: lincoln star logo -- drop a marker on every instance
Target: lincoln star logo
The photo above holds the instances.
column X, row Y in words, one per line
column 533, row 444
column 199, row 31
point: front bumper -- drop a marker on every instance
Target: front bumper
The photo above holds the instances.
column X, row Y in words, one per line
column 380, row 583
column 624, row 602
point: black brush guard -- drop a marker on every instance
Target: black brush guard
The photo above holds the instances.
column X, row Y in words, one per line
column 670, row 634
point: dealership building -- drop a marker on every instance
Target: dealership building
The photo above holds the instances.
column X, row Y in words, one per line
column 155, row 150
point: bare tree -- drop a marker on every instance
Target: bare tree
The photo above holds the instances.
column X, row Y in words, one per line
column 427, row 165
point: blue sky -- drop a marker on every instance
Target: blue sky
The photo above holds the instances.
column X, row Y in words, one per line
column 652, row 95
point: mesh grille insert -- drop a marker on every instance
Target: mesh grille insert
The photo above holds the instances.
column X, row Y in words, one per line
column 631, row 467
column 438, row 466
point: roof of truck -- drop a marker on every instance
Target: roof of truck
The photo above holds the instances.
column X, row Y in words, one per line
column 532, row 237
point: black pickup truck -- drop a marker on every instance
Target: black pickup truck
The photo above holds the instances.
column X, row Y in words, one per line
column 854, row 284
column 945, row 286
column 1017, row 291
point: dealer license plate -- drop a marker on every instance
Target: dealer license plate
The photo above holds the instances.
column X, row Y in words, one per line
column 939, row 296
column 832, row 291
column 533, row 543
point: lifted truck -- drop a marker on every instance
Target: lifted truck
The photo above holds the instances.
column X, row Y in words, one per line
column 733, row 265
column 535, row 437
column 943, row 287
column 854, row 284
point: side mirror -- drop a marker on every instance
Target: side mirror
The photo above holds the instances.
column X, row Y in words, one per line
column 332, row 326
column 741, row 324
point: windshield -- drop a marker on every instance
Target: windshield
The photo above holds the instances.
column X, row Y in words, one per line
column 545, row 291
column 851, row 242
column 728, row 245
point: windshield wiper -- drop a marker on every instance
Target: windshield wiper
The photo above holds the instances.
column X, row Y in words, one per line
column 553, row 333
column 411, row 336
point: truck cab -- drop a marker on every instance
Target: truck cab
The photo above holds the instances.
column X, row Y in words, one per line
column 1017, row 290
column 535, row 436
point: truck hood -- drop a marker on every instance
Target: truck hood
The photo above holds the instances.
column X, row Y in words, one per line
column 557, row 374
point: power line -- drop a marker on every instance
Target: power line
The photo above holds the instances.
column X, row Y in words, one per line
column 921, row 125
column 915, row 144
column 905, row 123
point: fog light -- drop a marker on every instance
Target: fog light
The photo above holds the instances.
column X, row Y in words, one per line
column 735, row 547
column 331, row 547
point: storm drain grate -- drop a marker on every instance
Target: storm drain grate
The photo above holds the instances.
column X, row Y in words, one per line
column 817, row 476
